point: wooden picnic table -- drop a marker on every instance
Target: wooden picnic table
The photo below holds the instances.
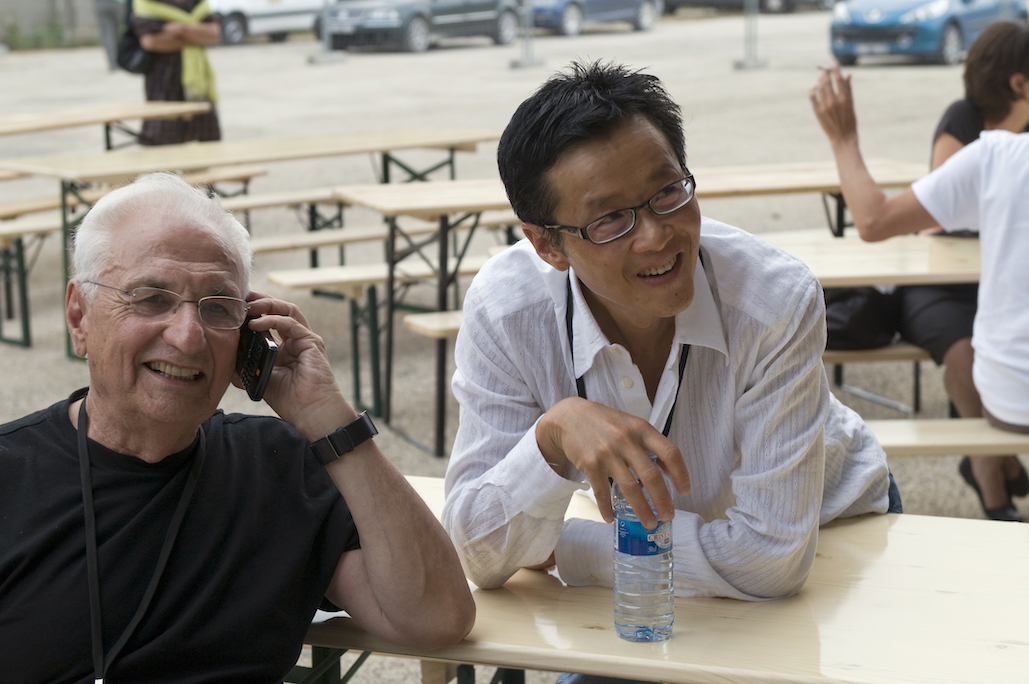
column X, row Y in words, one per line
column 890, row 598
column 111, row 115
column 76, row 172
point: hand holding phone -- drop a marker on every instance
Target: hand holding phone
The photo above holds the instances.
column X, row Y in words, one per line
column 255, row 358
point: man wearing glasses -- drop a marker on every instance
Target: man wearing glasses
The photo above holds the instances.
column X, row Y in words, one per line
column 627, row 323
column 146, row 536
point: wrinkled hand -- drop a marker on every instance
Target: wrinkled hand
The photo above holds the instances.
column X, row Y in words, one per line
column 302, row 388
column 833, row 105
column 602, row 443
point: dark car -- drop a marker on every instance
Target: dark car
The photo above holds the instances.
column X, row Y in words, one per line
column 934, row 30
column 766, row 6
column 412, row 25
column 568, row 16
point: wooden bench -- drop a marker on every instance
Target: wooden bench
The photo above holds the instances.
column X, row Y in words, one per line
column 352, row 281
column 898, row 351
column 330, row 237
column 946, row 437
column 207, row 178
column 14, row 271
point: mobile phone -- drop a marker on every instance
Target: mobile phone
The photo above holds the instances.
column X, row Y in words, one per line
column 255, row 358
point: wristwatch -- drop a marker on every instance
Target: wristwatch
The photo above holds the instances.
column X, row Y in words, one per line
column 344, row 440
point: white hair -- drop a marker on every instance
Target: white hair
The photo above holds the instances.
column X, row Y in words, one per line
column 165, row 194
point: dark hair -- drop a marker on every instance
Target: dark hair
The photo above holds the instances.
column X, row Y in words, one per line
column 589, row 102
column 1001, row 50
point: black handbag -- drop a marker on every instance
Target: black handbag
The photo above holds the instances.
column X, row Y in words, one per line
column 131, row 56
column 860, row 318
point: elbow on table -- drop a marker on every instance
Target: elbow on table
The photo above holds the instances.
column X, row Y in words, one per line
column 872, row 229
column 447, row 627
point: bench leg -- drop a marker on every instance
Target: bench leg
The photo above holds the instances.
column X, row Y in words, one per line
column 388, row 161
column 916, row 391
column 13, row 262
column 369, row 318
column 325, row 667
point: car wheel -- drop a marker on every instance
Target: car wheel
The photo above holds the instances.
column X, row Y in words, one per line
column 776, row 6
column 507, row 28
column 950, row 46
column 234, row 29
column 846, row 60
column 417, row 35
column 571, row 20
column 646, row 15
column 278, row 37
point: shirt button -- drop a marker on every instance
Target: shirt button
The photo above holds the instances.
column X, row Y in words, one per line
column 616, row 351
column 627, row 383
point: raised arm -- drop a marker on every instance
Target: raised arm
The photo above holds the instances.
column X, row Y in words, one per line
column 405, row 583
column 876, row 216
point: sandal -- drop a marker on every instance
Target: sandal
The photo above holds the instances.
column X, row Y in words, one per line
column 1007, row 512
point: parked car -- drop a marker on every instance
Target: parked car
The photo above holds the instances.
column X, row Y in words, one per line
column 241, row 19
column 935, row 30
column 568, row 16
column 411, row 25
column 766, row 6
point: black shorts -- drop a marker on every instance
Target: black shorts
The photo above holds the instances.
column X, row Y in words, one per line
column 934, row 317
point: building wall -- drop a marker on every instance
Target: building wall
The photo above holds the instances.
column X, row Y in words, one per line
column 76, row 18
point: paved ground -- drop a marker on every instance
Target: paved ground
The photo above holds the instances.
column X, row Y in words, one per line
column 732, row 117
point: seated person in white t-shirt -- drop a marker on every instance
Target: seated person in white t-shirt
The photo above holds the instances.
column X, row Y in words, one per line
column 982, row 187
column 605, row 336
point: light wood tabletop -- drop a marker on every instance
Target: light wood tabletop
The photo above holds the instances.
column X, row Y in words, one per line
column 35, row 122
column 904, row 260
column 427, row 202
column 128, row 163
column 712, row 182
column 891, row 599
column 794, row 177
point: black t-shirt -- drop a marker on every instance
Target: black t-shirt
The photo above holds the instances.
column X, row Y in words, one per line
column 962, row 120
column 260, row 540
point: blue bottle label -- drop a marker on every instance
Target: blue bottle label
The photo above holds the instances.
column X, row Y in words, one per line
column 636, row 540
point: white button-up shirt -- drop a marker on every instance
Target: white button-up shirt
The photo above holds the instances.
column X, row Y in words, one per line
column 770, row 452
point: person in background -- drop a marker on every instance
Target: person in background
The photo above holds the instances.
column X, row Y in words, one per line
column 177, row 31
column 939, row 318
column 627, row 323
column 146, row 536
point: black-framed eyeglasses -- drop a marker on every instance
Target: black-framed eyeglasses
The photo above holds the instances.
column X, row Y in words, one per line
column 156, row 304
column 616, row 224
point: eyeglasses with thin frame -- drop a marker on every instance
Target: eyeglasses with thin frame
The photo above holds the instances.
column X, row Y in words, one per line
column 616, row 224
column 156, row 304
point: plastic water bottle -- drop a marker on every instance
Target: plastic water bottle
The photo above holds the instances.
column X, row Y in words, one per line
column 644, row 602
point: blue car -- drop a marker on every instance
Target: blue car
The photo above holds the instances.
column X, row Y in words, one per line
column 934, row 30
column 567, row 17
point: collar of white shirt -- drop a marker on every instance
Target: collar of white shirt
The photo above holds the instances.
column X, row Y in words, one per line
column 699, row 324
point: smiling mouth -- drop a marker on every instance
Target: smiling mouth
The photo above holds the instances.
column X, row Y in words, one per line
column 173, row 372
column 661, row 270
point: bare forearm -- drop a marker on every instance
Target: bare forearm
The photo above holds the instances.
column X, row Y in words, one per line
column 416, row 591
column 176, row 36
column 863, row 196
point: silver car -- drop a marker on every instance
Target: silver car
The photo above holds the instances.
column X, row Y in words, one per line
column 412, row 25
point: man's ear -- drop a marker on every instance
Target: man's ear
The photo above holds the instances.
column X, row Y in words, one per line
column 544, row 247
column 1019, row 85
column 75, row 315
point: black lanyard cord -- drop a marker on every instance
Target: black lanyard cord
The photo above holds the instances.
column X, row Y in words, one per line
column 100, row 663
column 580, row 382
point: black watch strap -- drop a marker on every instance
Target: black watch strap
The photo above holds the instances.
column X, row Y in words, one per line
column 344, row 440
